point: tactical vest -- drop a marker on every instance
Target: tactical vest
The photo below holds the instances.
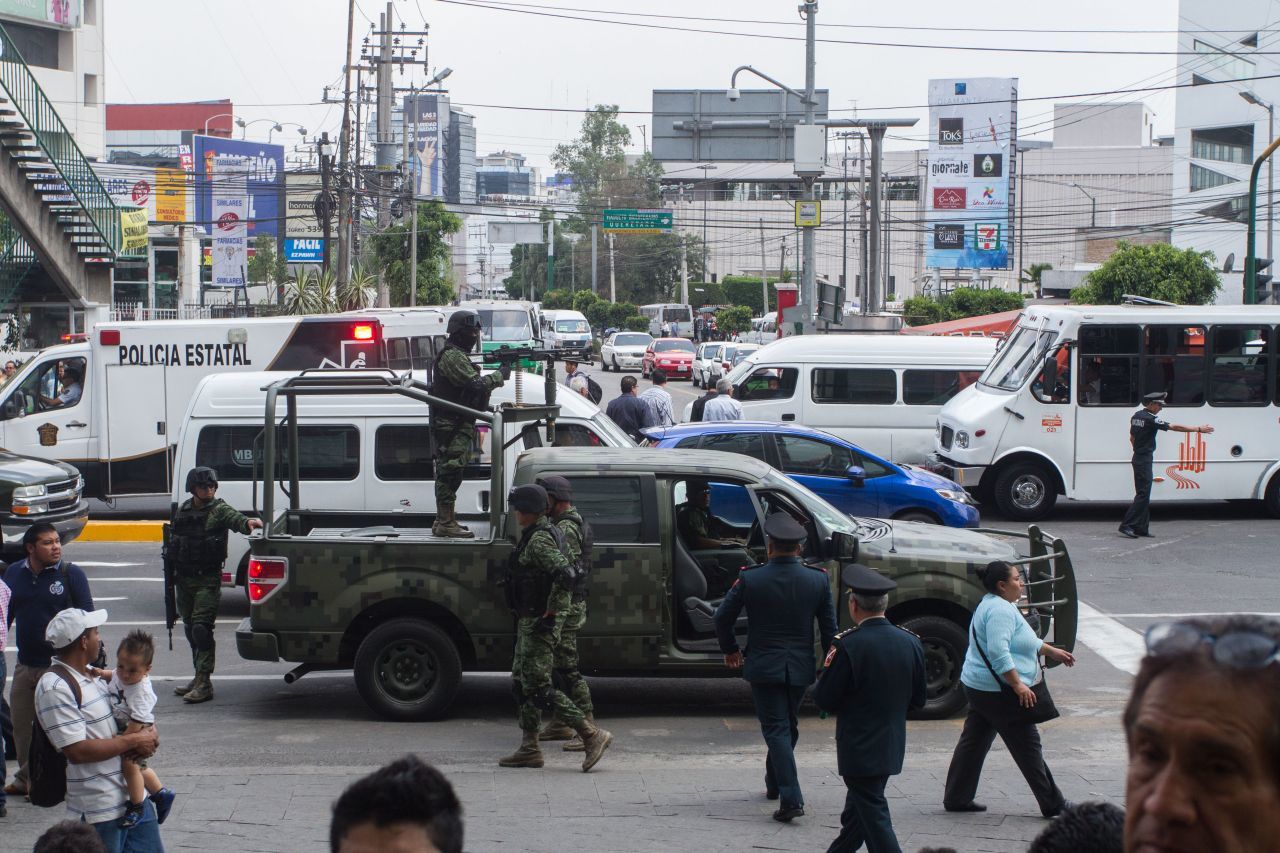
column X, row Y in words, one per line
column 527, row 589
column 197, row 550
column 584, row 563
column 472, row 395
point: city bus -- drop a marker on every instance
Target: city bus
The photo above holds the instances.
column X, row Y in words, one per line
column 1050, row 414
column 678, row 317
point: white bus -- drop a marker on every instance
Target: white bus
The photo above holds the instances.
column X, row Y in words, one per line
column 1050, row 415
column 678, row 317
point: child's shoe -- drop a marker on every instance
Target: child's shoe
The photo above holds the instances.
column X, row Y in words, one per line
column 163, row 801
column 132, row 816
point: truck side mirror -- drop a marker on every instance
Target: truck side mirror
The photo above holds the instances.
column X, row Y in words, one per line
column 857, row 475
column 10, row 409
column 844, row 547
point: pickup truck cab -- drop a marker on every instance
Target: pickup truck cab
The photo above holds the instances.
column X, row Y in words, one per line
column 375, row 592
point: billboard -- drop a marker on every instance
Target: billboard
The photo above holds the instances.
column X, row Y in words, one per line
column 265, row 182
column 973, row 136
column 303, row 231
column 170, row 195
column 129, row 186
column 59, row 13
column 695, row 125
column 429, row 115
column 230, row 206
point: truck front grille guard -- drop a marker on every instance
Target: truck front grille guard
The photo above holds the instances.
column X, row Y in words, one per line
column 1051, row 585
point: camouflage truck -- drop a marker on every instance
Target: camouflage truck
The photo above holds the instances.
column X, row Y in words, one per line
column 374, row 592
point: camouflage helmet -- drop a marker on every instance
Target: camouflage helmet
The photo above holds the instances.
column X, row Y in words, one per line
column 530, row 498
column 201, row 476
column 464, row 319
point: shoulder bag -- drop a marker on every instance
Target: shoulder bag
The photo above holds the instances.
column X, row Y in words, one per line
column 1042, row 712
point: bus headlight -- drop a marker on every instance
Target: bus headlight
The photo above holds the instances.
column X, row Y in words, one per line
column 962, row 439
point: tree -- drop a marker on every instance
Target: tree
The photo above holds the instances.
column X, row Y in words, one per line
column 960, row 303
column 391, row 251
column 266, row 266
column 636, row 323
column 1031, row 275
column 557, row 300
column 1155, row 270
column 733, row 320
column 922, row 311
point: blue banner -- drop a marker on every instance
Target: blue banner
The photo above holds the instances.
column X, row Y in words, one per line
column 266, row 182
column 304, row 250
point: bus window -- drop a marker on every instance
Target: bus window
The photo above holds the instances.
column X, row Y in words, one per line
column 1173, row 361
column 1109, row 365
column 934, row 387
column 1240, row 356
column 1061, row 390
column 863, row 386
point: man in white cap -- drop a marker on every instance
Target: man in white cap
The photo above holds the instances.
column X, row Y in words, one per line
column 74, row 710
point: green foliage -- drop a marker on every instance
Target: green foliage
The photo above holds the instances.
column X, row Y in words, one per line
column 1155, row 270
column 316, row 292
column 557, row 300
column 922, row 311
column 583, row 299
column 391, row 252
column 597, row 313
column 730, row 321
column 620, row 312
column 266, row 266
column 1032, row 274
column 960, row 303
column 636, row 323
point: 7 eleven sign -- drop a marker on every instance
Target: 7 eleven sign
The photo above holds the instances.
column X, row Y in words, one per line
column 986, row 236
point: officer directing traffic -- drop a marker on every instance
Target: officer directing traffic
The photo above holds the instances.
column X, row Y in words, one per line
column 539, row 588
column 782, row 599
column 1143, row 427
column 873, row 674
column 198, row 548
column 459, row 381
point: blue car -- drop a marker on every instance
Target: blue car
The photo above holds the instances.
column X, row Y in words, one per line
column 846, row 476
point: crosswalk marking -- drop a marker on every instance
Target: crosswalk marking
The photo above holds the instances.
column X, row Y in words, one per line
column 1119, row 645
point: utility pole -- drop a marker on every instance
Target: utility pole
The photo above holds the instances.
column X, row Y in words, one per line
column 595, row 265
column 684, row 272
column 764, row 275
column 324, row 204
column 613, row 284
column 551, row 254
column 344, row 162
column 808, row 286
column 863, row 293
column 413, row 203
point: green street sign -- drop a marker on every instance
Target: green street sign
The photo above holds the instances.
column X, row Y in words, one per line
column 637, row 221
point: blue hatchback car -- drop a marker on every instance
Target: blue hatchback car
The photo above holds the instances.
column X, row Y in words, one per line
column 846, row 476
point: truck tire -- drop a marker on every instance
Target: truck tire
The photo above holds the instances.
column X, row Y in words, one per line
column 1025, row 491
column 944, row 643
column 1271, row 500
column 408, row 670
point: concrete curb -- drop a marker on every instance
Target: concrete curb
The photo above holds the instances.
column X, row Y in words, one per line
column 122, row 531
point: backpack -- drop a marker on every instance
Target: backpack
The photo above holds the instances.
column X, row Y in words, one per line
column 594, row 392
column 46, row 766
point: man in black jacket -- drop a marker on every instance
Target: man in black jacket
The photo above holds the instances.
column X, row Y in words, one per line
column 699, row 404
column 630, row 412
column 874, row 673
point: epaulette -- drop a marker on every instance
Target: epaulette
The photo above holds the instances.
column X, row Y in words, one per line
column 846, row 631
column 815, row 567
column 908, row 630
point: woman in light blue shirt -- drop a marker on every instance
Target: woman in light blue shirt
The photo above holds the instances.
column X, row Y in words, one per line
column 1013, row 649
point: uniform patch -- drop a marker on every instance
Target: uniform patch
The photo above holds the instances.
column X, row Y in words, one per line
column 831, row 656
column 56, row 588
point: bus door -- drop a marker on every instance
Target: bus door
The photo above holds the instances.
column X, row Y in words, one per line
column 1105, row 394
column 1049, row 419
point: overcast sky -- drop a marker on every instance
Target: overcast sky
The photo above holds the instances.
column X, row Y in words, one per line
column 272, row 58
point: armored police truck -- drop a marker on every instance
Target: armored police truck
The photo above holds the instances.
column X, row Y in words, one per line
column 372, row 590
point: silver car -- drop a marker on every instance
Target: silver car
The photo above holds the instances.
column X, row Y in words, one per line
column 704, row 359
column 624, row 350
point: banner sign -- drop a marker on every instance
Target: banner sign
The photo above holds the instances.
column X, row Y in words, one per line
column 60, row 13
column 129, row 186
column 265, row 181
column 133, row 229
column 229, row 212
column 430, row 113
column 304, row 250
column 300, row 195
column 171, row 195
column 973, row 129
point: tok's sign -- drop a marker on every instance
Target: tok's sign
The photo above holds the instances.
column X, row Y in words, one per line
column 304, row 250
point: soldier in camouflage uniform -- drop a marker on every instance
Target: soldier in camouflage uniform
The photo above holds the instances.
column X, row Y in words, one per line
column 198, row 545
column 459, row 381
column 578, row 542
column 539, row 591
column 697, row 526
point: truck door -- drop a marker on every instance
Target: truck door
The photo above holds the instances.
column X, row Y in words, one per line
column 136, row 447
column 48, row 414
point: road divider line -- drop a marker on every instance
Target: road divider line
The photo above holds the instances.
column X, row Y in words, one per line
column 1192, row 615
column 122, row 531
column 93, row 564
column 1118, row 644
column 140, row 580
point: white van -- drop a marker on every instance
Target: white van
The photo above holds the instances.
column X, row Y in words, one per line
column 568, row 331
column 881, row 392
column 764, row 330
column 413, row 335
column 111, row 405
column 354, row 452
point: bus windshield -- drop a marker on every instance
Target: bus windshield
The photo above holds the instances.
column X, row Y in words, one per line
column 1018, row 359
column 505, row 324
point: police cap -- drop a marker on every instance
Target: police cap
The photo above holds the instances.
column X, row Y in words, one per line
column 528, row 498
column 865, row 581
column 464, row 319
column 782, row 528
column 697, row 487
column 557, row 487
column 1155, row 397
column 201, row 476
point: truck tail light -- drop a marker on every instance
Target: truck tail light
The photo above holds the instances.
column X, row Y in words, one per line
column 109, row 337
column 266, row 576
column 363, row 332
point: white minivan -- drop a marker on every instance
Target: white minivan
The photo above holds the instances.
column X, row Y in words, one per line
column 881, row 392
column 355, row 452
column 568, row 331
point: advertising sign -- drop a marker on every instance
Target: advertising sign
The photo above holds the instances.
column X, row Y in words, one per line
column 229, row 213
column 808, row 214
column 430, row 114
column 60, row 13
column 265, row 181
column 133, row 228
column 170, row 195
column 300, row 195
column 129, row 186
column 304, row 250
column 972, row 146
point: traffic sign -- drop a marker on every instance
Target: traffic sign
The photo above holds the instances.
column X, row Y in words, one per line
column 808, row 214
column 637, row 221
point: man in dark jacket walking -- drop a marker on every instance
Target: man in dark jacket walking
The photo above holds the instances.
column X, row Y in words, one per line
column 695, row 414
column 873, row 674
column 628, row 411
column 782, row 599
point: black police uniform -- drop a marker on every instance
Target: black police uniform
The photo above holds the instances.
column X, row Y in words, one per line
column 874, row 674
column 782, row 599
column 1143, row 428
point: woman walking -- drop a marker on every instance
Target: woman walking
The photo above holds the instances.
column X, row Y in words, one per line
column 1001, row 641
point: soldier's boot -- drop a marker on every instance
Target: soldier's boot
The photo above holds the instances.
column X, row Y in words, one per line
column 186, row 688
column 595, row 740
column 202, row 691
column 446, row 525
column 528, row 755
column 556, row 730
column 575, row 744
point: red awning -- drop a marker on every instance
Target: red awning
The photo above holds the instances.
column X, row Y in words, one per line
column 985, row 326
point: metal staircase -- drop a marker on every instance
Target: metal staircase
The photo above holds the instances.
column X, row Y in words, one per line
column 58, row 209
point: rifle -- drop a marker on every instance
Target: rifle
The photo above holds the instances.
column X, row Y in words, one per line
column 170, row 587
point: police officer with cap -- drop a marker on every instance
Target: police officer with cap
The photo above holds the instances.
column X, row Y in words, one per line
column 1143, row 428
column 782, row 598
column 539, row 589
column 198, row 548
column 873, row 674
column 457, row 380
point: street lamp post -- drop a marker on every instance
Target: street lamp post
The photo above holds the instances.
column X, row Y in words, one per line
column 1093, row 206
column 1251, row 98
column 244, row 125
column 705, row 167
column 211, row 118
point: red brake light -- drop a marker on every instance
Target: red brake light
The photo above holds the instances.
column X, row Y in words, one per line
column 363, row 332
column 266, row 575
column 109, row 337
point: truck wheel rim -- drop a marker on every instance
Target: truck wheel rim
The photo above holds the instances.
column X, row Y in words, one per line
column 406, row 671
column 939, row 668
column 1028, row 491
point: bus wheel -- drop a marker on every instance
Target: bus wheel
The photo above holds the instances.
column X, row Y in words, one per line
column 1025, row 491
column 1271, row 502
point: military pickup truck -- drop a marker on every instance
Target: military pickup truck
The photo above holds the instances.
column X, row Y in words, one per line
column 373, row 591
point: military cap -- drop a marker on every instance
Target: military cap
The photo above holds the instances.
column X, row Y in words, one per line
column 1155, row 397
column 528, row 498
column 865, row 581
column 781, row 527
column 557, row 487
